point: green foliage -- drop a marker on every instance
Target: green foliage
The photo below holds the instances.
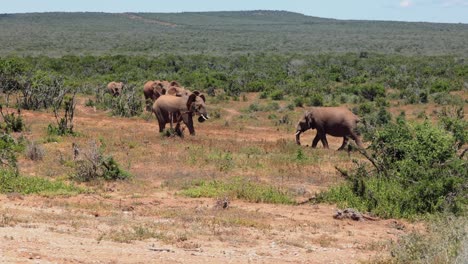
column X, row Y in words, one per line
column 9, row 146
column 240, row 188
column 220, row 33
column 12, row 122
column 315, row 100
column 277, row 95
column 10, row 181
column 416, row 171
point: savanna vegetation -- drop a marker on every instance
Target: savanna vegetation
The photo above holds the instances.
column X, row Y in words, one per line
column 415, row 167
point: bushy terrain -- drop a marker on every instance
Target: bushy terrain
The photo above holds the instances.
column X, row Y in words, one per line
column 220, row 33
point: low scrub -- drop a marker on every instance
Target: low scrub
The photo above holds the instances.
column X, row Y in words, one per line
column 10, row 182
column 416, row 169
column 92, row 164
column 444, row 241
column 240, row 188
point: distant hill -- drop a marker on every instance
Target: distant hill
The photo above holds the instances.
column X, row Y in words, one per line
column 56, row 34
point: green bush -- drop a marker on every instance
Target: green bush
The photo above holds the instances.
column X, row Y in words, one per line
column 277, row 95
column 12, row 122
column 416, row 170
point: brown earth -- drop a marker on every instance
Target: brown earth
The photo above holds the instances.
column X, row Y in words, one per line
column 146, row 220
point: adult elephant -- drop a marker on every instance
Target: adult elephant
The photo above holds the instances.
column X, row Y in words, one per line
column 152, row 90
column 115, row 88
column 335, row 121
column 168, row 108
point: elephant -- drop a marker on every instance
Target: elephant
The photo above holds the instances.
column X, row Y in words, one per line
column 168, row 108
column 335, row 121
column 178, row 91
column 152, row 90
column 115, row 88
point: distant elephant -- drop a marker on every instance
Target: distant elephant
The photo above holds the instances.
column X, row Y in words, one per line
column 335, row 121
column 115, row 88
column 152, row 90
column 168, row 108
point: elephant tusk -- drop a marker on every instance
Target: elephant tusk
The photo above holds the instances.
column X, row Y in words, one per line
column 204, row 117
column 298, row 132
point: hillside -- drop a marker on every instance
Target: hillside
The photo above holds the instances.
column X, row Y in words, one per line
column 56, row 34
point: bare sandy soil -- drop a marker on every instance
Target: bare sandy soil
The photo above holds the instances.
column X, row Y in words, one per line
column 146, row 220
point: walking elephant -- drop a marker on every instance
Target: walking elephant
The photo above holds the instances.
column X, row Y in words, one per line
column 168, row 109
column 335, row 121
column 115, row 88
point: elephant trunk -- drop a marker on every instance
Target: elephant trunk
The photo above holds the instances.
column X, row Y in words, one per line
column 298, row 137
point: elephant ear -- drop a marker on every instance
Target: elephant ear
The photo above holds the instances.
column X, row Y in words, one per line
column 197, row 93
column 310, row 120
column 202, row 96
column 172, row 91
column 190, row 101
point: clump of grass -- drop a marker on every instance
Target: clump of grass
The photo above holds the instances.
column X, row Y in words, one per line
column 10, row 181
column 240, row 188
column 136, row 233
column 444, row 241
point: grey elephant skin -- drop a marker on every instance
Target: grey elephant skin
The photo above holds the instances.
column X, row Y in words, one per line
column 182, row 108
column 115, row 88
column 334, row 121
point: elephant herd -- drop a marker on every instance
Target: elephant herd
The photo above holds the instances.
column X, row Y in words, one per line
column 173, row 104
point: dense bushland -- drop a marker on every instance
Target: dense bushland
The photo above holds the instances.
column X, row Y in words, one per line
column 273, row 32
column 413, row 169
column 307, row 80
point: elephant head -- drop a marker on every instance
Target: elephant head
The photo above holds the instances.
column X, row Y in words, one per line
column 196, row 105
column 307, row 122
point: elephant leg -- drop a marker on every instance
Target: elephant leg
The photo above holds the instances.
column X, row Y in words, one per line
column 357, row 139
column 324, row 141
column 315, row 141
column 345, row 142
column 161, row 121
column 187, row 118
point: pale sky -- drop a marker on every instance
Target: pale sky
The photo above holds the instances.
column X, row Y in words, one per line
column 446, row 11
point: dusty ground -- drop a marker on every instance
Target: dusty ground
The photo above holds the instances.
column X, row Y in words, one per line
column 146, row 220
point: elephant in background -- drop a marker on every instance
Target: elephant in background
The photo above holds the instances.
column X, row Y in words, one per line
column 335, row 121
column 115, row 88
column 168, row 108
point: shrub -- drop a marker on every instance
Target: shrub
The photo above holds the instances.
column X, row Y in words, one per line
column 34, row 151
column 372, row 91
column 12, row 122
column 416, row 170
column 92, row 164
column 127, row 104
column 315, row 100
column 277, row 95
